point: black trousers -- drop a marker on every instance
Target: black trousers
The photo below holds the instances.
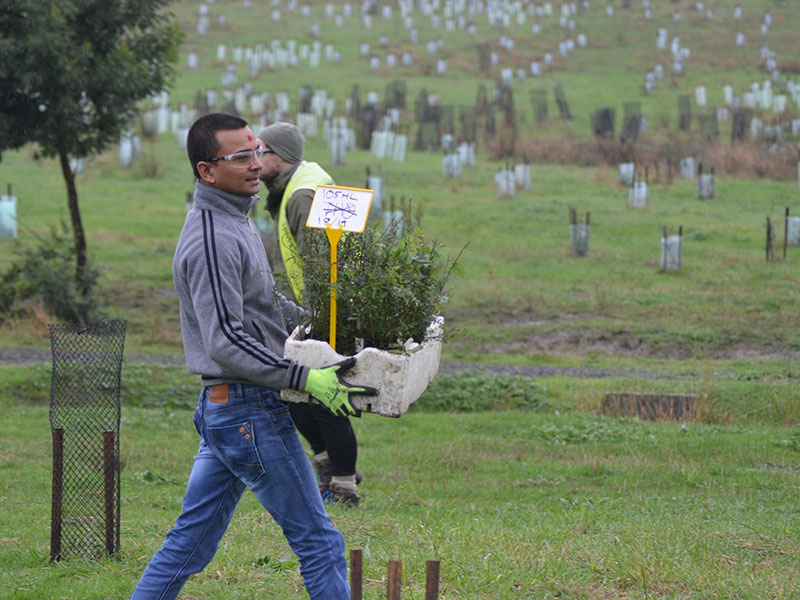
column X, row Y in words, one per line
column 325, row 431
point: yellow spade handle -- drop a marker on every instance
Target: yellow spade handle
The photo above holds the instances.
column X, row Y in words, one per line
column 334, row 235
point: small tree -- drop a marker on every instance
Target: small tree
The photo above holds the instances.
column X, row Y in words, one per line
column 390, row 285
column 71, row 75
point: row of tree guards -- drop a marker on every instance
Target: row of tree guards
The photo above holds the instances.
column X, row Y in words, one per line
column 639, row 183
column 507, row 180
column 434, row 122
column 279, row 56
column 671, row 245
column 745, row 122
column 458, row 18
column 376, row 124
column 380, row 131
column 744, row 109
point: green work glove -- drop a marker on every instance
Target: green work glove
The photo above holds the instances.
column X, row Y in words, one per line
column 327, row 386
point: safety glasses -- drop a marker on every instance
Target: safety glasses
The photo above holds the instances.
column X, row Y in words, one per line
column 242, row 159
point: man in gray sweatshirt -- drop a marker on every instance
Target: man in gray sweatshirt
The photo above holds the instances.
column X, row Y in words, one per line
column 234, row 325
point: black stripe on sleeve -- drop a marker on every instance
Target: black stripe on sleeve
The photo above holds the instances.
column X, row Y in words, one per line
column 295, row 374
column 223, row 317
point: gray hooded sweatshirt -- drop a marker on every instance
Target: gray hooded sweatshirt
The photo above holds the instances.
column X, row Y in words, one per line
column 234, row 323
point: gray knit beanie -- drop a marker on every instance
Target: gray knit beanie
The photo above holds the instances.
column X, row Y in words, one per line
column 286, row 140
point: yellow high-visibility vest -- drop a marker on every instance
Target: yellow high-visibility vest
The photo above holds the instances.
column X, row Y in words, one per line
column 307, row 176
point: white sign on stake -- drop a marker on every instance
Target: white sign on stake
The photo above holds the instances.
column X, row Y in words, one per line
column 343, row 207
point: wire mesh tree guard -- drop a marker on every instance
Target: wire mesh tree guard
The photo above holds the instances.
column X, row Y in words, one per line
column 84, row 421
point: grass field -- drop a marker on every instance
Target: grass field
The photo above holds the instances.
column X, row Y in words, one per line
column 522, row 488
column 543, row 502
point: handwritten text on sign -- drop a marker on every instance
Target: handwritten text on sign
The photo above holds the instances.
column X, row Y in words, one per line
column 343, row 207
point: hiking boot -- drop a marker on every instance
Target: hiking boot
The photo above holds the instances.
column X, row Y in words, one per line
column 322, row 466
column 323, row 469
column 340, row 496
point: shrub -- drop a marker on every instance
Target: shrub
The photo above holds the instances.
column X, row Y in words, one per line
column 46, row 273
column 481, row 391
column 390, row 286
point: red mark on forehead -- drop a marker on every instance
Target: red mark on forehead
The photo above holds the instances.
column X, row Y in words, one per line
column 249, row 138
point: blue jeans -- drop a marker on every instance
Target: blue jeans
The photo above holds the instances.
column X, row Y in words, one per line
column 248, row 441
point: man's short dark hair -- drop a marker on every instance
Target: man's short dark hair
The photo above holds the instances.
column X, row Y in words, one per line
column 201, row 141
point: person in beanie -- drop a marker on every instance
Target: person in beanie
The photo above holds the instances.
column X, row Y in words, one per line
column 234, row 326
column 292, row 182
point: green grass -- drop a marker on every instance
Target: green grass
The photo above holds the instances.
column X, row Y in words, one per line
column 515, row 504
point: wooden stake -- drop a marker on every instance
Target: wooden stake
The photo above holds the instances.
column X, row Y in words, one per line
column 356, row 573
column 770, row 252
column 394, row 581
column 785, row 232
column 432, row 580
